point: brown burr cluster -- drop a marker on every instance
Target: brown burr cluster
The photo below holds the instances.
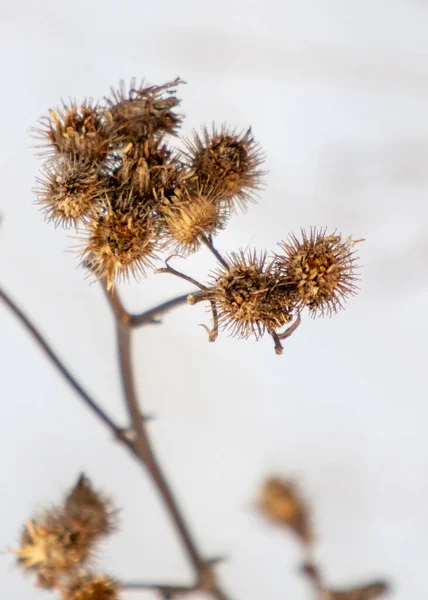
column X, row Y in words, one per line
column 59, row 545
column 112, row 174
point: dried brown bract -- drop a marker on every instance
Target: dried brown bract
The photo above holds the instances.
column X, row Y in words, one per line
column 120, row 243
column 143, row 111
column 91, row 587
column 70, row 190
column 53, row 545
column 195, row 213
column 228, row 162
column 281, row 502
column 148, row 172
column 90, row 508
column 247, row 296
column 321, row 267
column 76, row 131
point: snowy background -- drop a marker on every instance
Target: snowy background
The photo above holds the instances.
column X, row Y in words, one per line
column 337, row 95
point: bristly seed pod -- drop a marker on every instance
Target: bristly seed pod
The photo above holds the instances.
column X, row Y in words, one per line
column 91, row 587
column 90, row 508
column 70, row 190
column 228, row 162
column 282, row 504
column 53, row 545
column 186, row 218
column 322, row 269
column 247, row 296
column 78, row 132
column 143, row 112
column 120, row 243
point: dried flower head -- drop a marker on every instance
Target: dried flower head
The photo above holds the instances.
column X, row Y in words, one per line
column 76, row 131
column 248, row 298
column 228, row 162
column 91, row 587
column 321, row 267
column 149, row 172
column 187, row 218
column 70, row 190
column 281, row 502
column 143, row 111
column 90, row 508
column 53, row 545
column 120, row 242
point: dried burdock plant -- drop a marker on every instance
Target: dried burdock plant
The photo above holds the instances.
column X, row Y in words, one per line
column 71, row 190
column 91, row 587
column 192, row 215
column 58, row 544
column 75, row 131
column 112, row 173
column 91, row 508
column 119, row 242
column 322, row 268
column 248, row 296
column 229, row 162
column 281, row 503
column 141, row 112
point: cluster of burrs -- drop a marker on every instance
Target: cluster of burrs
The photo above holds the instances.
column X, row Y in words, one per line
column 112, row 174
column 59, row 545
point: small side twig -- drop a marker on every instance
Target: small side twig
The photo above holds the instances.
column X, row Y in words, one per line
column 152, row 315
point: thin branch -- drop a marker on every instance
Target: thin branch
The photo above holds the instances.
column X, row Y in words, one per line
column 47, row 349
column 140, row 448
column 151, row 315
column 172, row 271
column 207, row 240
column 163, row 589
column 142, row 444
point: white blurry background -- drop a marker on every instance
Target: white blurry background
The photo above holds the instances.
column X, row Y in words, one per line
column 336, row 93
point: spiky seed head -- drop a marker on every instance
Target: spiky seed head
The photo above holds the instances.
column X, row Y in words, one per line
column 247, row 296
column 91, row 508
column 227, row 161
column 120, row 243
column 91, row 587
column 70, row 190
column 53, row 545
column 77, row 131
column 322, row 268
column 149, row 172
column 142, row 112
column 281, row 502
column 188, row 217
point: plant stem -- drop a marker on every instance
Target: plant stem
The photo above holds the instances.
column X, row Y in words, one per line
column 47, row 349
column 151, row 315
column 203, row 568
column 140, row 447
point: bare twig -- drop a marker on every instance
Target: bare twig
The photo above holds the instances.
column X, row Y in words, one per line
column 140, row 446
column 207, row 240
column 203, row 568
column 47, row 349
column 152, row 315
